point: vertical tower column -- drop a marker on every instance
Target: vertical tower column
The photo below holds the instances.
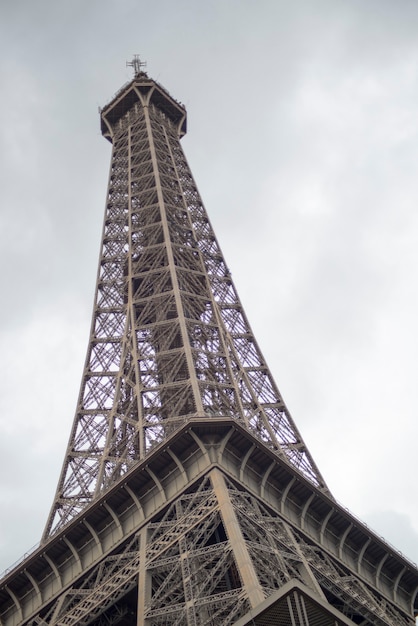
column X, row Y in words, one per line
column 173, row 268
column 243, row 560
column 144, row 580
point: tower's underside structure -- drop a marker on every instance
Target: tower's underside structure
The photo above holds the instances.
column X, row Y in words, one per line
column 187, row 495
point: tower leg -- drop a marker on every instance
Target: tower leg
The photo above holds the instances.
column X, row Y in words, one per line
column 245, row 566
column 306, row 570
column 144, row 580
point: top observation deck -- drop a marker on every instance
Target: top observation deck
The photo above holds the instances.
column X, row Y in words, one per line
column 146, row 91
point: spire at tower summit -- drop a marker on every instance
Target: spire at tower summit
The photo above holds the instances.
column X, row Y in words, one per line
column 137, row 64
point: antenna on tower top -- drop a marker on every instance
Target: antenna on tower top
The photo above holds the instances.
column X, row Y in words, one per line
column 136, row 63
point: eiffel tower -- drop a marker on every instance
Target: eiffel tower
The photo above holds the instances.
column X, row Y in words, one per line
column 187, row 494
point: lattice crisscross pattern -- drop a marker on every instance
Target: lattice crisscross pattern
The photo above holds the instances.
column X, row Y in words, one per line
column 169, row 340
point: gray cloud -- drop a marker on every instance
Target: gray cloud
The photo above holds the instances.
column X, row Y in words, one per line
column 397, row 529
column 303, row 141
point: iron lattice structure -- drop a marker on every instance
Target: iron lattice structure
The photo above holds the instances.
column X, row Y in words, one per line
column 187, row 495
column 169, row 339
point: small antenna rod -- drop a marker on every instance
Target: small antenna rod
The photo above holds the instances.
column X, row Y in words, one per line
column 137, row 64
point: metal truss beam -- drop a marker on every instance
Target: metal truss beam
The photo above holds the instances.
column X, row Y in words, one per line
column 212, row 534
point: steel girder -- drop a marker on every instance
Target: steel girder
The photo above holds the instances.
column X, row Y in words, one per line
column 211, row 525
column 190, row 567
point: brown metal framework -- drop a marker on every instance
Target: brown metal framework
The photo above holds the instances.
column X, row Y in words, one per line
column 169, row 338
column 187, row 496
column 212, row 528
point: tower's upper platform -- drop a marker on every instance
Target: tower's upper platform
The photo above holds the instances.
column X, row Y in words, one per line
column 146, row 91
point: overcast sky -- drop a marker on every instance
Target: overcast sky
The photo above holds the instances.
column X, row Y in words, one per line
column 303, row 139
